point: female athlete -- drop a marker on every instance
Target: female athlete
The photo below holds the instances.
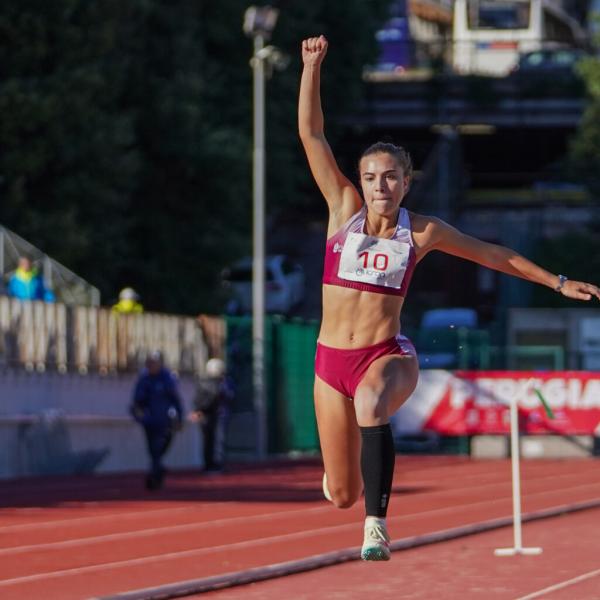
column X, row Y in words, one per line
column 365, row 368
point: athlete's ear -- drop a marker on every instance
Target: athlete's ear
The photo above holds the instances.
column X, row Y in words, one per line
column 407, row 182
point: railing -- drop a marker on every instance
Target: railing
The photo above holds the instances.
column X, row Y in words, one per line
column 40, row 336
column 463, row 348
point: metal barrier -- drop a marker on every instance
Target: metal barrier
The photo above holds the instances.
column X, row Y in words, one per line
column 463, row 348
column 38, row 335
column 523, row 358
column 551, row 358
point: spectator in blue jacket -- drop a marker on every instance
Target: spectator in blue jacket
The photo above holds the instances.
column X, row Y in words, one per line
column 157, row 408
column 26, row 283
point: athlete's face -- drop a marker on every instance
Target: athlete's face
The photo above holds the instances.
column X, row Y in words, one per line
column 383, row 183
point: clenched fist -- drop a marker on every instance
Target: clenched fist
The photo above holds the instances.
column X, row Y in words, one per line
column 314, row 50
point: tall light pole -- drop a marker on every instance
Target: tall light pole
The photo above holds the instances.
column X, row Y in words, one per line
column 259, row 22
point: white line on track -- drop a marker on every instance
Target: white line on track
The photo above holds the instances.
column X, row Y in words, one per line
column 560, row 586
column 70, row 486
column 211, row 549
column 95, row 519
column 114, row 517
column 169, row 529
column 166, row 529
column 175, row 555
column 147, row 532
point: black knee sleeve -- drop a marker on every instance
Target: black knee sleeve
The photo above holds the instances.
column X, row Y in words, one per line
column 377, row 466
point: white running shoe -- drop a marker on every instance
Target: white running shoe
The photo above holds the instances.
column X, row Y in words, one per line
column 376, row 544
column 325, row 488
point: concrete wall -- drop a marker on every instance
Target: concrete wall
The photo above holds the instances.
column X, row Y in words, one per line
column 533, row 446
column 51, row 422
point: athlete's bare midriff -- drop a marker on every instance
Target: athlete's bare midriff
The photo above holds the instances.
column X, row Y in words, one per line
column 355, row 319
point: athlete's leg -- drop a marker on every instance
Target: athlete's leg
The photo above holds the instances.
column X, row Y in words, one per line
column 384, row 388
column 340, row 444
column 387, row 384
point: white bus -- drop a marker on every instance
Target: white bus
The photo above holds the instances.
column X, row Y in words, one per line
column 489, row 35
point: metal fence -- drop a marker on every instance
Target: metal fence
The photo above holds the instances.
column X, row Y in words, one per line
column 40, row 336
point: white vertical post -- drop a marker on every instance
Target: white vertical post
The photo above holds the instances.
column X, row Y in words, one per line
column 258, row 264
column 515, row 452
column 516, row 479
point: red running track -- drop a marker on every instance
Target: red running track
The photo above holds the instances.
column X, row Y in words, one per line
column 89, row 537
column 462, row 569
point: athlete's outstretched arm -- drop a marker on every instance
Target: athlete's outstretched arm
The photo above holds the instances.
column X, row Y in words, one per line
column 342, row 197
column 441, row 236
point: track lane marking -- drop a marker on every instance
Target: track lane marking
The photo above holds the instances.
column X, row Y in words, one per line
column 80, row 520
column 257, row 518
column 174, row 555
column 411, row 469
column 94, row 519
column 560, row 586
column 245, row 543
column 166, row 529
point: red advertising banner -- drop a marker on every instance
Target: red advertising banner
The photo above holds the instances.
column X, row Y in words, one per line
column 477, row 402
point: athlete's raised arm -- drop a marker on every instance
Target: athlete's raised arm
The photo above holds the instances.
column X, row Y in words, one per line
column 342, row 197
column 435, row 234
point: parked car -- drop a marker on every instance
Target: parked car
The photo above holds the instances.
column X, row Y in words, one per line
column 550, row 72
column 550, row 61
column 284, row 285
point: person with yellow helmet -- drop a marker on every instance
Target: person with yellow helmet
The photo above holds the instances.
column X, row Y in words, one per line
column 128, row 302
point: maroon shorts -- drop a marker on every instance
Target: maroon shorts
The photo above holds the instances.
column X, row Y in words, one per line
column 343, row 369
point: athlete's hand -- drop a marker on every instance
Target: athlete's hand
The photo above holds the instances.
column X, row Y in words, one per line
column 579, row 290
column 314, row 50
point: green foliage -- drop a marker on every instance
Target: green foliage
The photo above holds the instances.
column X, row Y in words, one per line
column 350, row 30
column 585, row 147
column 69, row 157
column 575, row 254
column 126, row 133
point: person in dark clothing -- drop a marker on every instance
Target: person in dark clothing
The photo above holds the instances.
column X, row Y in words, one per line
column 157, row 408
column 214, row 394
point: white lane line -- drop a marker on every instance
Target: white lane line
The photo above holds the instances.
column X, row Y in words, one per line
column 175, row 555
column 166, row 529
column 560, row 586
column 225, row 521
column 96, row 519
column 408, row 471
column 426, row 483
column 169, row 529
column 411, row 468
column 201, row 551
column 147, row 532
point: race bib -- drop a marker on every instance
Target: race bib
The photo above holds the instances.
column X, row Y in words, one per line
column 374, row 260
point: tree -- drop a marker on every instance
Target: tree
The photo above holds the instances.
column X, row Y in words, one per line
column 69, row 158
column 575, row 254
column 584, row 153
column 127, row 140
column 350, row 29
